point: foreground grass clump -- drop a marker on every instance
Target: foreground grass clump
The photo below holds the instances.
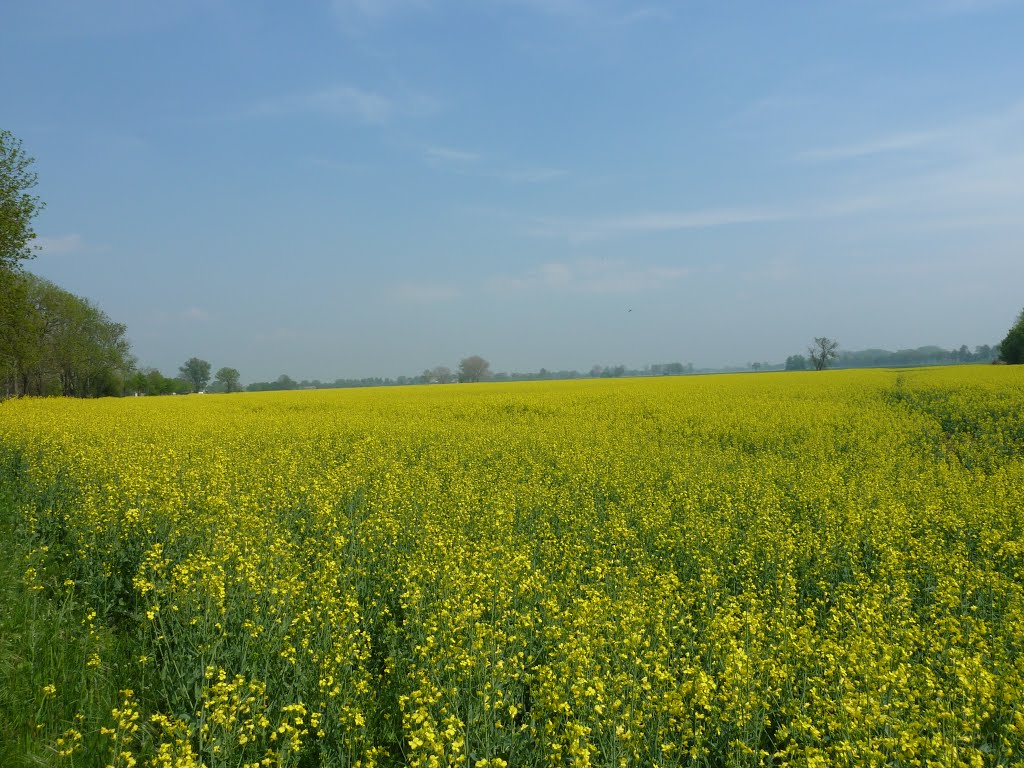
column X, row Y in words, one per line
column 819, row 569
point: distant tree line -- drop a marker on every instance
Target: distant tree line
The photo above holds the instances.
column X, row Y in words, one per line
column 149, row 381
column 193, row 376
column 470, row 370
column 881, row 358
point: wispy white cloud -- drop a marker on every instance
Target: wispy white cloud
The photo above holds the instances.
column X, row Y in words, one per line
column 599, row 228
column 581, row 230
column 348, row 102
column 897, row 142
column 588, row 277
column 975, row 166
column 426, row 292
column 195, row 314
column 972, row 134
column 449, row 155
column 60, row 244
column 467, row 163
column 987, row 184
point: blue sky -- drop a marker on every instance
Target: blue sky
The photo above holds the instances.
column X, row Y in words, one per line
column 363, row 187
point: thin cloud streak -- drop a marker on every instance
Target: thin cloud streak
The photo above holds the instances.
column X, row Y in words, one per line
column 981, row 132
column 895, row 143
column 60, row 244
column 447, row 154
column 467, row 163
column 983, row 160
column 347, row 102
column 977, row 164
column 587, row 277
column 653, row 222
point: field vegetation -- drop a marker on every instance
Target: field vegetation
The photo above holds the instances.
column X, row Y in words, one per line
column 800, row 569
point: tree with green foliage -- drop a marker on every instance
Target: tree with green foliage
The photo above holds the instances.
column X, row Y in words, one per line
column 51, row 341
column 87, row 352
column 440, row 374
column 20, row 332
column 796, row 363
column 228, row 379
column 822, row 352
column 18, row 322
column 1011, row 349
column 149, row 381
column 17, row 205
column 196, row 372
column 56, row 343
column 283, row 382
column 473, row 368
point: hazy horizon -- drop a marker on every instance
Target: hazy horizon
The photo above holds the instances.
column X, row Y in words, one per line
column 355, row 188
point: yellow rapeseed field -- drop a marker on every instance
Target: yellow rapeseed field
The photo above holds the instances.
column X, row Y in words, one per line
column 801, row 569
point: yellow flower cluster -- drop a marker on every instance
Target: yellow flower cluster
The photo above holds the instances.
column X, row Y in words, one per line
column 773, row 569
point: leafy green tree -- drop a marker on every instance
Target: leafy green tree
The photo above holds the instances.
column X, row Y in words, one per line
column 51, row 341
column 282, row 382
column 473, row 368
column 1011, row 349
column 228, row 379
column 137, row 384
column 440, row 374
column 196, row 372
column 158, row 384
column 56, row 343
column 86, row 350
column 17, row 205
column 796, row 363
column 822, row 352
column 20, row 333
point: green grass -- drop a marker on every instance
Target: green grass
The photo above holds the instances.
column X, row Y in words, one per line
column 45, row 641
